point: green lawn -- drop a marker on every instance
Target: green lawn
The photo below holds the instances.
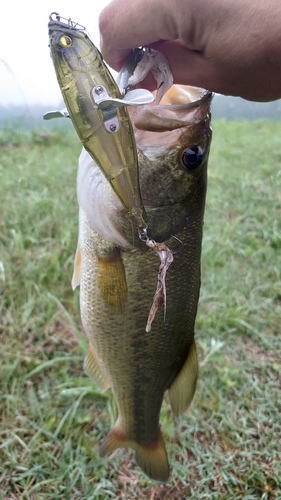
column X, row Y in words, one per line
column 227, row 446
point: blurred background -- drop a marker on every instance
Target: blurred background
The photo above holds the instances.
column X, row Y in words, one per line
column 52, row 417
column 28, row 85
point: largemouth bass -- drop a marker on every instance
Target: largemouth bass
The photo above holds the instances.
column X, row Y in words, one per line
column 118, row 280
column 139, row 359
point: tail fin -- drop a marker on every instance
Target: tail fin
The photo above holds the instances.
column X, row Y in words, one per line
column 152, row 457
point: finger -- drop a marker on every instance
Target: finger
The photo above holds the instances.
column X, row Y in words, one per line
column 188, row 67
column 125, row 25
column 191, row 67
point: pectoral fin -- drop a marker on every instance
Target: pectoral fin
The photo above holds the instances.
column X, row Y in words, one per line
column 93, row 369
column 151, row 457
column 182, row 389
column 111, row 281
column 77, row 268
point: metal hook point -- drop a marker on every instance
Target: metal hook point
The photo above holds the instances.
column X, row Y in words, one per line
column 143, row 233
column 181, row 243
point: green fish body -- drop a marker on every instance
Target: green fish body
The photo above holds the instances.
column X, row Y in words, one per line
column 118, row 276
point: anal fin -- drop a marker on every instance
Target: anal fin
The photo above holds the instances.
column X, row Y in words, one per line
column 182, row 390
column 151, row 457
column 93, row 369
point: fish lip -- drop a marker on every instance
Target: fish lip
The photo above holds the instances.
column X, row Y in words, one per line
column 182, row 106
column 206, row 97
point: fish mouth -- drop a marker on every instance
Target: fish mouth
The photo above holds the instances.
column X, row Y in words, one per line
column 159, row 127
column 163, row 132
column 186, row 95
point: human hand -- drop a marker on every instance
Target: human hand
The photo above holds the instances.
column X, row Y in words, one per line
column 225, row 46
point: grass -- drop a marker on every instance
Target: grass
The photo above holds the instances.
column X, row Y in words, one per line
column 52, row 417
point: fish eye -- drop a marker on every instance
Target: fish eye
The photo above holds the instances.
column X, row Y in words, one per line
column 192, row 157
column 65, row 41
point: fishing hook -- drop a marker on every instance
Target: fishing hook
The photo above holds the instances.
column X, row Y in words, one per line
column 181, row 243
column 143, row 233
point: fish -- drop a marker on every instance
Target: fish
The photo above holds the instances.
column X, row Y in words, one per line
column 118, row 277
